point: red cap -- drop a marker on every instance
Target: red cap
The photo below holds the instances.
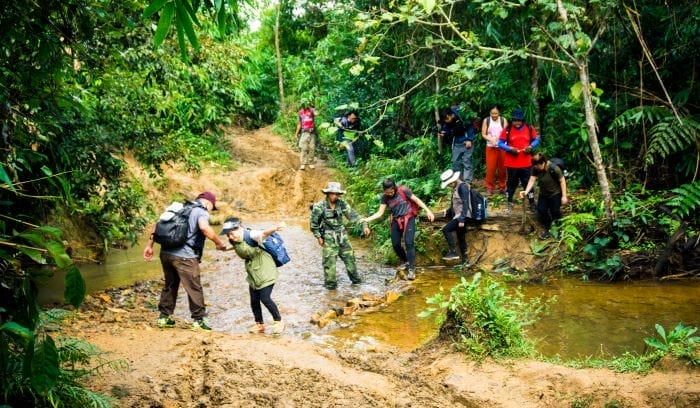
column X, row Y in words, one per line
column 209, row 196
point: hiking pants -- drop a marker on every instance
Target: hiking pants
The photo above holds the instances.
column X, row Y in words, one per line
column 263, row 295
column 495, row 162
column 307, row 145
column 548, row 209
column 337, row 244
column 521, row 176
column 448, row 229
column 408, row 234
column 349, row 151
column 185, row 270
column 462, row 160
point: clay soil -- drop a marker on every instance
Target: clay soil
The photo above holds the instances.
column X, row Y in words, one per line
column 180, row 368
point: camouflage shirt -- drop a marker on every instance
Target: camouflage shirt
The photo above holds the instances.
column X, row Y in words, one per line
column 324, row 218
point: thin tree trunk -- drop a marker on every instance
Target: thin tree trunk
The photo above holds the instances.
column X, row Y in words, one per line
column 582, row 65
column 280, row 78
column 534, row 93
column 436, row 107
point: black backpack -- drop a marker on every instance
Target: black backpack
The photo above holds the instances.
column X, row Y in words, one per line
column 529, row 128
column 557, row 162
column 477, row 206
column 173, row 225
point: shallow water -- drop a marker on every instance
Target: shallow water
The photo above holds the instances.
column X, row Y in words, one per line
column 587, row 318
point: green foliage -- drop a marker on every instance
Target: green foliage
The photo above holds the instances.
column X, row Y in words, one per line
column 686, row 202
column 680, row 343
column 483, row 319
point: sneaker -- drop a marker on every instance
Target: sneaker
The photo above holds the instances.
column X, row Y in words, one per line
column 545, row 235
column 303, row 167
column 165, row 322
column 278, row 327
column 450, row 256
column 200, row 325
column 509, row 208
column 411, row 274
column 257, row 328
column 403, row 266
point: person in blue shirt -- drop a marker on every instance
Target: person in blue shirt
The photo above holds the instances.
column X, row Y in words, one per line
column 349, row 123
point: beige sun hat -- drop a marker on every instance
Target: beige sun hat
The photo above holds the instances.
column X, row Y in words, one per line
column 333, row 187
column 447, row 177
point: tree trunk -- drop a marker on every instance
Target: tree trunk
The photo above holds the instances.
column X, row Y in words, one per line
column 534, row 93
column 582, row 66
column 280, row 78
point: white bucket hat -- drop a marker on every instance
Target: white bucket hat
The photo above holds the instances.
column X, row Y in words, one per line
column 447, row 177
column 333, row 187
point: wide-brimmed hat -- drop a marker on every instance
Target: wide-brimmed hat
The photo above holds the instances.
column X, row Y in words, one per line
column 209, row 196
column 447, row 177
column 518, row 114
column 333, row 187
column 230, row 224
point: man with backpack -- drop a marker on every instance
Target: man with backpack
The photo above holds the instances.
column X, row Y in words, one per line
column 307, row 140
column 350, row 124
column 328, row 228
column 461, row 136
column 517, row 140
column 404, row 207
column 457, row 215
column 552, row 184
column 181, row 264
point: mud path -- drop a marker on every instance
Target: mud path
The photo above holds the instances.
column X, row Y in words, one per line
column 179, row 368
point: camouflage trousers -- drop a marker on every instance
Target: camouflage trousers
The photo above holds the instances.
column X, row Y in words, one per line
column 337, row 244
column 307, row 145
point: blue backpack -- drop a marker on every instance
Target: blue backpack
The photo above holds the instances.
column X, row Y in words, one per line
column 273, row 244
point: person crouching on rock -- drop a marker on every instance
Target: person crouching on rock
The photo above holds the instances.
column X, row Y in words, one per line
column 260, row 268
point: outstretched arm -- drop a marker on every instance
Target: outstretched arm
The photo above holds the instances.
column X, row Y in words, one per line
column 266, row 233
column 378, row 214
column 421, row 204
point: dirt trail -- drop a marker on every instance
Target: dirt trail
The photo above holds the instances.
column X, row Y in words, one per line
column 180, row 368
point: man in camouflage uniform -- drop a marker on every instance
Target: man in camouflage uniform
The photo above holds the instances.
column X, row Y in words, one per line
column 327, row 226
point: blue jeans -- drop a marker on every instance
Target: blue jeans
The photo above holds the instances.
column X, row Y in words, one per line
column 462, row 160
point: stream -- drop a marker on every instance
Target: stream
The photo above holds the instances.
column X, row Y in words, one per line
column 587, row 319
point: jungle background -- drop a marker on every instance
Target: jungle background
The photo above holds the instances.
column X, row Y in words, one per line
column 87, row 86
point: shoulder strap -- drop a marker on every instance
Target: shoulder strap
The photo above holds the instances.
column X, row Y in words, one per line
column 502, row 121
column 246, row 237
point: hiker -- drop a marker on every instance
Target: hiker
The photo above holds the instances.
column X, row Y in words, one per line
column 307, row 139
column 461, row 136
column 457, row 215
column 182, row 265
column 328, row 228
column 491, row 129
column 260, row 268
column 517, row 140
column 403, row 206
column 552, row 185
column 348, row 122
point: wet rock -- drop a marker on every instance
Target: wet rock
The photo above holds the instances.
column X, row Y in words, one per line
column 331, row 314
column 105, row 297
column 349, row 310
column 315, row 318
column 324, row 322
column 108, row 317
column 391, row 296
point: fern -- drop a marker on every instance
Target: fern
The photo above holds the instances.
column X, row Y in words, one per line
column 669, row 137
column 686, row 202
column 635, row 116
column 572, row 225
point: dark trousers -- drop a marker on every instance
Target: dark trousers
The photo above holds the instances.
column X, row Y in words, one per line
column 516, row 176
column 263, row 296
column 175, row 271
column 409, row 235
column 548, row 209
column 453, row 227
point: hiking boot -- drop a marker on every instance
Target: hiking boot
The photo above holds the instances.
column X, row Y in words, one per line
column 302, row 167
column 257, row 328
column 278, row 327
column 411, row 274
column 545, row 235
column 450, row 256
column 165, row 322
column 200, row 325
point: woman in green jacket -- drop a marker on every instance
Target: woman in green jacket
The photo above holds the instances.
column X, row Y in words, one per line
column 261, row 270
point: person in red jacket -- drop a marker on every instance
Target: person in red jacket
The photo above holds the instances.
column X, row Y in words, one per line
column 518, row 139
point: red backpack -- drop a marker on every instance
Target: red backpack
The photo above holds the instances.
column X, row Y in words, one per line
column 413, row 208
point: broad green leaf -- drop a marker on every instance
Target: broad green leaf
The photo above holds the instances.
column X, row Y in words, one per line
column 453, row 68
column 75, row 286
column 166, row 17
column 181, row 43
column 45, row 369
column 6, row 179
column 183, row 20
column 58, row 253
column 428, row 5
column 52, row 231
column 153, row 7
column 190, row 11
column 17, row 331
column 576, row 91
column 36, row 255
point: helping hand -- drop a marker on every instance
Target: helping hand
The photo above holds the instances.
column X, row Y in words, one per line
column 528, row 150
column 513, row 151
